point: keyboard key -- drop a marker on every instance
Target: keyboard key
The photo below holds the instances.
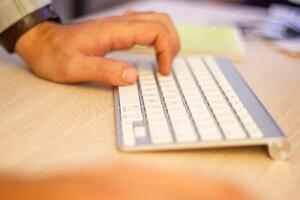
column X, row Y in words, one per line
column 196, row 103
column 191, row 87
column 140, row 131
column 202, row 118
column 129, row 95
column 210, row 133
column 160, row 133
column 128, row 135
column 254, row 131
column 233, row 131
column 132, row 116
column 185, row 133
column 131, row 109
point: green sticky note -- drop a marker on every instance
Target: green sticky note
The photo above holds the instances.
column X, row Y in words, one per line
column 223, row 41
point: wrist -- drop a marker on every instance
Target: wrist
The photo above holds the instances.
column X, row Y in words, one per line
column 29, row 41
column 10, row 36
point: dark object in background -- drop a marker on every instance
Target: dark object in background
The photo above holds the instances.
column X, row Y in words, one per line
column 79, row 7
column 82, row 7
column 69, row 9
column 283, row 22
column 267, row 3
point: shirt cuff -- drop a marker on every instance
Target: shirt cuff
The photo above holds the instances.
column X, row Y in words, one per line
column 12, row 11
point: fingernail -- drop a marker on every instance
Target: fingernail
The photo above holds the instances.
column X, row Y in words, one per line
column 129, row 75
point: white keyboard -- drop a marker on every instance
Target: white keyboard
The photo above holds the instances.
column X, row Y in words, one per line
column 203, row 103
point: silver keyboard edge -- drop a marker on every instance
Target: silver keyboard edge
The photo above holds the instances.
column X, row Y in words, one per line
column 274, row 138
column 255, row 108
column 278, row 145
column 118, row 125
column 202, row 145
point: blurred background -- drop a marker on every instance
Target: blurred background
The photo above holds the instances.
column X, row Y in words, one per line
column 277, row 21
column 75, row 8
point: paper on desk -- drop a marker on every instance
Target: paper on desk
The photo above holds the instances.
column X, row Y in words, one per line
column 222, row 41
column 208, row 40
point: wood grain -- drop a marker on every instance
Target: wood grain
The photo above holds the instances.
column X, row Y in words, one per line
column 47, row 127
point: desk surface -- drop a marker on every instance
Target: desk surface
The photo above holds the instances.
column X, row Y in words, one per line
column 45, row 127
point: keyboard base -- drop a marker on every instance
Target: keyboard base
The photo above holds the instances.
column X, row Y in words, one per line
column 278, row 148
column 138, row 136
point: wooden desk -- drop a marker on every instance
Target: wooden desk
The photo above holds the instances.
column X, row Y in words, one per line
column 47, row 127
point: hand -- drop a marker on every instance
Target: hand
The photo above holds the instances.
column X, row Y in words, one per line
column 121, row 182
column 75, row 53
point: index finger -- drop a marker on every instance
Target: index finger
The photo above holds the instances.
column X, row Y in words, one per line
column 145, row 33
column 162, row 18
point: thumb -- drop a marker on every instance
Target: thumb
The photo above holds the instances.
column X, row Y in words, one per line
column 105, row 70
